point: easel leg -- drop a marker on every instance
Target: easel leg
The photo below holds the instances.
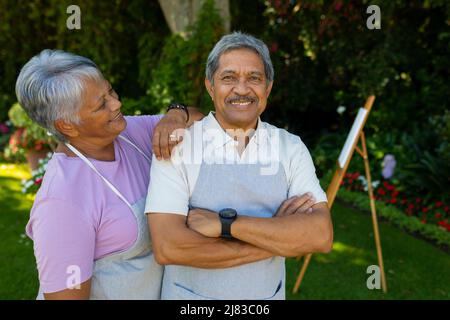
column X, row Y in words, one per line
column 302, row 272
column 374, row 213
column 331, row 195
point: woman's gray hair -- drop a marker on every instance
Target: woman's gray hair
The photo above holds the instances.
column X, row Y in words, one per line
column 50, row 87
column 238, row 40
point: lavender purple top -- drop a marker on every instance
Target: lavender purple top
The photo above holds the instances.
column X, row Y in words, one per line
column 76, row 219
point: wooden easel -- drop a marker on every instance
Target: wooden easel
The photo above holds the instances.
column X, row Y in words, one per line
column 334, row 187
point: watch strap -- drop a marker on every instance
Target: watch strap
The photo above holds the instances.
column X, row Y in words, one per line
column 179, row 106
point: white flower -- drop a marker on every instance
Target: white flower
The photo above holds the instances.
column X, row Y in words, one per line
column 341, row 109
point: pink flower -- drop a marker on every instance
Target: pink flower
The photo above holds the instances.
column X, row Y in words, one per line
column 274, row 47
column 338, row 5
column 4, row 128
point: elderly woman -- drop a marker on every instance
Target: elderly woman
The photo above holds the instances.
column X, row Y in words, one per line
column 88, row 225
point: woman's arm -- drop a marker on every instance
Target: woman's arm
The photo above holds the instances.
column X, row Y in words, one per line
column 81, row 293
column 175, row 119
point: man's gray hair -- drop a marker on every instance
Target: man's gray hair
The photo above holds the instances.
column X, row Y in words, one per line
column 238, row 40
column 50, row 87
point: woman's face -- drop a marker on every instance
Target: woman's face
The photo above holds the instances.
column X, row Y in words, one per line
column 100, row 113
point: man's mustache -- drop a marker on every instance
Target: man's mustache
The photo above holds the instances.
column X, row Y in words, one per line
column 241, row 99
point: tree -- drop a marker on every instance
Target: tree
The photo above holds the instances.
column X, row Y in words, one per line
column 180, row 14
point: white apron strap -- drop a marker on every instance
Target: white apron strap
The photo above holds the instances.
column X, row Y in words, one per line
column 136, row 147
column 89, row 163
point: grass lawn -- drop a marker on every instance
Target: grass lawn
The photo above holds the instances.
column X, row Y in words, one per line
column 414, row 269
column 18, row 275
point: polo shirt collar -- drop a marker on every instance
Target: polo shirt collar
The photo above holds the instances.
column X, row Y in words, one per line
column 210, row 122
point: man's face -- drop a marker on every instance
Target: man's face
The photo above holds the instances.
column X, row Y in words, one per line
column 240, row 90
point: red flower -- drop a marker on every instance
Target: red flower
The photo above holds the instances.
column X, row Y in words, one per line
column 394, row 200
column 274, row 47
column 418, row 200
column 38, row 146
column 338, row 5
column 410, row 206
column 438, row 215
column 38, row 181
column 395, row 194
column 381, row 192
column 438, row 204
column 4, row 128
column 423, row 221
column 425, row 209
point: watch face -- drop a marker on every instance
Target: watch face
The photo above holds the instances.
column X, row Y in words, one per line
column 228, row 213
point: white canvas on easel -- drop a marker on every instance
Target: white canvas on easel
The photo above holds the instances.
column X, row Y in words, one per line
column 356, row 134
column 352, row 137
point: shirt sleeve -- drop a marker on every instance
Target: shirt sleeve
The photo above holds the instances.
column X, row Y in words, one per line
column 168, row 191
column 64, row 245
column 302, row 173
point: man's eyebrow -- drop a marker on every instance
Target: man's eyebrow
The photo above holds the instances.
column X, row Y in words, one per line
column 227, row 71
column 259, row 73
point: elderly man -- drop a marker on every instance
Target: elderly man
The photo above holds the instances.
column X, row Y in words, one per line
column 240, row 178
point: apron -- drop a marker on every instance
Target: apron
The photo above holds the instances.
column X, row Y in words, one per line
column 132, row 273
column 242, row 187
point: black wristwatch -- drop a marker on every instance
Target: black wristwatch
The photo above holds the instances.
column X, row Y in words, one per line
column 177, row 105
column 227, row 217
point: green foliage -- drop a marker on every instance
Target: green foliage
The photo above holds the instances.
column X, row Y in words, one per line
column 123, row 37
column 324, row 57
column 27, row 136
column 20, row 119
column 180, row 72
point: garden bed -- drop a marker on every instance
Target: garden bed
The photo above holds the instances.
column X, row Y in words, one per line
column 410, row 224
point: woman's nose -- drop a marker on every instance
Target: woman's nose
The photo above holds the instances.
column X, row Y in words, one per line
column 115, row 104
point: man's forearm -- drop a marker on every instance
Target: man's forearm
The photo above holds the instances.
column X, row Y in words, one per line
column 174, row 243
column 293, row 235
column 213, row 253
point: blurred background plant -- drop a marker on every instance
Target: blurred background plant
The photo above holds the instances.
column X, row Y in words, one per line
column 32, row 184
column 28, row 140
